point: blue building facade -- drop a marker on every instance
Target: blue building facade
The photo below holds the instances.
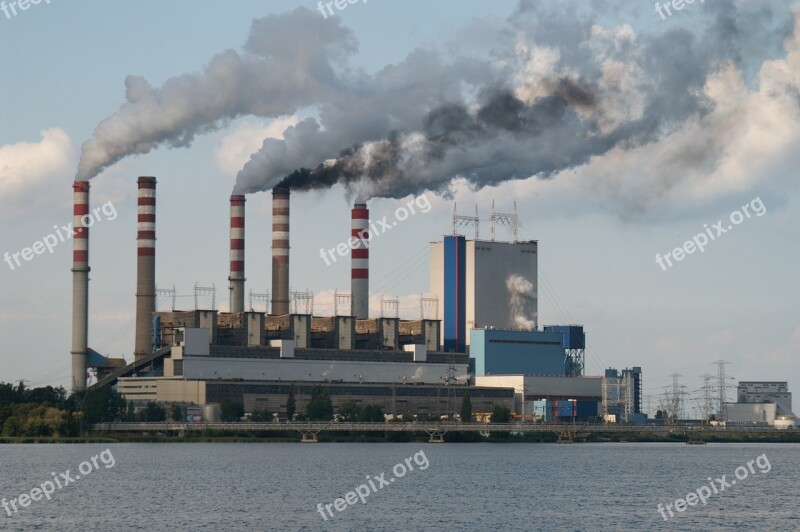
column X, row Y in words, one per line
column 455, row 293
column 511, row 352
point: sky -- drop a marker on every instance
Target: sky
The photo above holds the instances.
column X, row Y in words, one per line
column 618, row 133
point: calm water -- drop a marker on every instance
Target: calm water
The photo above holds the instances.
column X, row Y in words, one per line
column 465, row 487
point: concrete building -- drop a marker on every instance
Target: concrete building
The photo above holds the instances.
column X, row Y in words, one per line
column 762, row 402
column 762, row 391
column 586, row 392
column 271, row 396
column 484, row 284
column 196, row 371
column 750, row 413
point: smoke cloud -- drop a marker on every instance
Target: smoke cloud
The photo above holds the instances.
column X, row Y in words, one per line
column 522, row 294
column 558, row 90
column 558, row 87
column 286, row 65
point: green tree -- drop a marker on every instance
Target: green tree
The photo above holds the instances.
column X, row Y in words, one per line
column 177, row 414
column 231, row 410
column 371, row 414
column 349, row 410
column 408, row 417
column 260, row 416
column 104, row 405
column 319, row 407
column 152, row 413
column 130, row 413
column 466, row 408
column 291, row 404
column 501, row 414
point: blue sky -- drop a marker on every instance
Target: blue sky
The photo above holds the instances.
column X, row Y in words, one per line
column 599, row 223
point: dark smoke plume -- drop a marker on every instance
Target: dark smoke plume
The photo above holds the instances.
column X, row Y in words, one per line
column 554, row 87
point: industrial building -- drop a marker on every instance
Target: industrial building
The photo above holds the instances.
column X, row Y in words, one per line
column 759, row 392
column 761, row 403
column 202, row 356
column 557, row 351
column 536, row 398
column 622, row 395
column 490, row 345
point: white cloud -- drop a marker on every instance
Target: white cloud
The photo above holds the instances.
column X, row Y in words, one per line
column 246, row 138
column 35, row 175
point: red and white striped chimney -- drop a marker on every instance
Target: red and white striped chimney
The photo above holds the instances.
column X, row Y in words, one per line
column 359, row 282
column 280, row 251
column 237, row 254
column 146, row 267
column 80, row 284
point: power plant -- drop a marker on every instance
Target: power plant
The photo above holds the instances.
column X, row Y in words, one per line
column 491, row 346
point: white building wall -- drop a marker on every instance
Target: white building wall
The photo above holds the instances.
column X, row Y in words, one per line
column 489, row 265
column 751, row 413
column 494, row 263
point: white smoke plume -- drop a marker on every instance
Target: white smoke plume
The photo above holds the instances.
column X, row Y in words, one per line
column 522, row 294
column 559, row 87
column 286, row 65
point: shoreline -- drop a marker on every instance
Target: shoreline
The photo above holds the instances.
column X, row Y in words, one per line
column 378, row 437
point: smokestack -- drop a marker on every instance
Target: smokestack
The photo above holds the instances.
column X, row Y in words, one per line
column 280, row 251
column 80, row 284
column 237, row 254
column 359, row 286
column 146, row 267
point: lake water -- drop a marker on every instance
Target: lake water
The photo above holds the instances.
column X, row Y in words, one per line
column 464, row 486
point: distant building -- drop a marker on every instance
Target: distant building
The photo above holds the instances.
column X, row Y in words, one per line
column 538, row 397
column 622, row 394
column 762, row 403
column 767, row 391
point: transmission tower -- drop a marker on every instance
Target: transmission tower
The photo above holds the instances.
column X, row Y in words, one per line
column 303, row 301
column 462, row 221
column 510, row 220
column 668, row 407
column 678, row 394
column 708, row 397
column 168, row 292
column 722, row 386
column 343, row 300
column 390, row 307
column 205, row 291
column 253, row 296
column 428, row 302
